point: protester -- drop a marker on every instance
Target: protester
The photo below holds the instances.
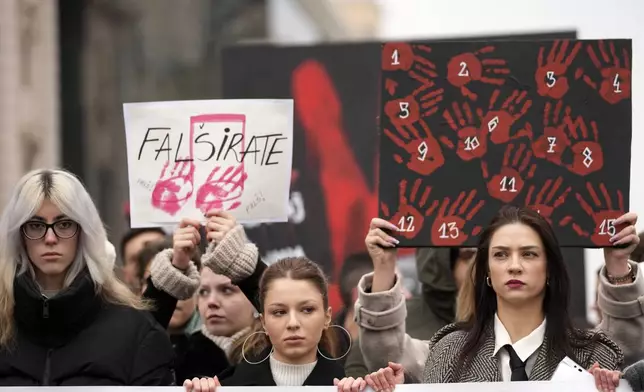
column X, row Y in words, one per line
column 224, row 307
column 131, row 245
column 517, row 289
column 441, row 272
column 65, row 319
column 293, row 342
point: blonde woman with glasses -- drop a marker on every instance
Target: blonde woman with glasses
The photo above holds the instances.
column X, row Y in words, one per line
column 65, row 319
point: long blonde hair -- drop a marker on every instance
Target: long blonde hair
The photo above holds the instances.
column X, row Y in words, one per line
column 65, row 191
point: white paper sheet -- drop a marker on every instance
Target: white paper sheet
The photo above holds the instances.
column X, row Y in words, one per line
column 188, row 157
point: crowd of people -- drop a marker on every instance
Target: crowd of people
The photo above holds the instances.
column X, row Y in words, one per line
column 201, row 308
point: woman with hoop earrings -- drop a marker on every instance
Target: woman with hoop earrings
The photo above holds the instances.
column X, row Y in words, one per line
column 293, row 342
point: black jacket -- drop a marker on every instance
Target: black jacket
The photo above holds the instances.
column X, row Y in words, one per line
column 77, row 339
column 245, row 374
column 199, row 356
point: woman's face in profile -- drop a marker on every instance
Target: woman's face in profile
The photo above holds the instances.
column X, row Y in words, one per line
column 517, row 264
column 51, row 249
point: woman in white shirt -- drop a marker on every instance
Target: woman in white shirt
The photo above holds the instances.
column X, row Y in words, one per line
column 521, row 329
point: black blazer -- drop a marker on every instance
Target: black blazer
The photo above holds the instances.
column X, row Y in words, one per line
column 259, row 375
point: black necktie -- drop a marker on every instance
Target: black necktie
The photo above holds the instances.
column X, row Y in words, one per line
column 517, row 365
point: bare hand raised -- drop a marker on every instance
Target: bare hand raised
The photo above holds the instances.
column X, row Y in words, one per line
column 184, row 241
column 219, row 224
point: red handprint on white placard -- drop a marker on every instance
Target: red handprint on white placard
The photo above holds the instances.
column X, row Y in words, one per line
column 174, row 187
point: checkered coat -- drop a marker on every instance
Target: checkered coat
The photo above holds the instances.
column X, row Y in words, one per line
column 445, row 349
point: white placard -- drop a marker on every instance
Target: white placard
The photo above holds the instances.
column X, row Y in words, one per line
column 528, row 386
column 188, row 157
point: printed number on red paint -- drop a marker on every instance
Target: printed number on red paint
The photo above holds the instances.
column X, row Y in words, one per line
column 616, row 84
column 410, row 223
column 449, row 230
column 493, row 123
column 607, row 227
column 394, row 58
column 422, row 151
column 463, row 72
column 551, row 79
column 508, row 184
column 471, row 143
column 404, row 110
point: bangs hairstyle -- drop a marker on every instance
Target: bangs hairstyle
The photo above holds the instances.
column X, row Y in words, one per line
column 67, row 193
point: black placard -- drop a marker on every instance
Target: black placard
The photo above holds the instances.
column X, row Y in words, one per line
column 467, row 127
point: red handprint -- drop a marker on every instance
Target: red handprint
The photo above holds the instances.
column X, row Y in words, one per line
column 554, row 141
column 616, row 76
column 543, row 203
column 228, row 187
column 401, row 57
column 588, row 156
column 506, row 185
column 447, row 229
column 409, row 218
column 604, row 227
column 466, row 67
column 174, row 187
column 472, row 139
column 498, row 122
column 551, row 74
column 425, row 155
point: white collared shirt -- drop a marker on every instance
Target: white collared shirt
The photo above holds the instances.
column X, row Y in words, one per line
column 526, row 348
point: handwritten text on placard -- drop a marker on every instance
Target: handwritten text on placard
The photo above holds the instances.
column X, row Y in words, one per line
column 188, row 157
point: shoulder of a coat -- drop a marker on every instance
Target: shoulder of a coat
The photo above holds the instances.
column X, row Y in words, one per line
column 600, row 345
column 451, row 334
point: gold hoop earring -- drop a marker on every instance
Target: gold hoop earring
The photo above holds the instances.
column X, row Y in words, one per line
column 244, row 349
column 488, row 281
column 345, row 354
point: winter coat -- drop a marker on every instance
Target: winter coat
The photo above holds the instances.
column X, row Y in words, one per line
column 75, row 338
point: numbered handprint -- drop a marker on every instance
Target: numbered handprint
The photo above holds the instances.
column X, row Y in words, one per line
column 498, row 122
column 467, row 67
column 506, row 185
column 223, row 192
column 554, row 140
column 615, row 82
column 588, row 156
column 545, row 202
column 447, row 229
column 551, row 73
column 174, row 187
column 603, row 215
column 405, row 57
column 472, row 139
column 424, row 155
column 411, row 213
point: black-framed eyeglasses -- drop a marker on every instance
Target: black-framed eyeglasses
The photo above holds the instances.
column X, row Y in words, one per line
column 64, row 229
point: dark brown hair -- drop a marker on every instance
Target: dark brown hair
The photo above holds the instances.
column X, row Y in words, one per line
column 559, row 330
column 296, row 268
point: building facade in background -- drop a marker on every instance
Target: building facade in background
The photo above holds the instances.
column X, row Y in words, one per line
column 29, row 110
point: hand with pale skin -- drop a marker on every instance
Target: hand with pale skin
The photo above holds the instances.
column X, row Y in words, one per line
column 218, row 225
column 383, row 380
column 201, row 384
column 616, row 258
column 184, row 241
column 605, row 380
column 382, row 250
column 387, row 378
column 350, row 384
